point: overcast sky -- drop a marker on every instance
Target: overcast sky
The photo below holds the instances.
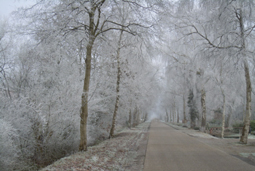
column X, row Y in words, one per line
column 7, row 6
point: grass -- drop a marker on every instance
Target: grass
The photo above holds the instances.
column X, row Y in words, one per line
column 119, row 153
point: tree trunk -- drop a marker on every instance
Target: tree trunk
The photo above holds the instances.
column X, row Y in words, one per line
column 138, row 117
column 167, row 116
column 145, row 117
column 178, row 116
column 224, row 104
column 244, row 112
column 130, row 118
column 134, row 117
column 246, row 127
column 173, row 116
column 170, row 115
column 174, row 111
column 84, row 101
column 223, row 114
column 184, row 110
column 84, row 98
column 203, row 105
column 117, row 87
column 245, row 131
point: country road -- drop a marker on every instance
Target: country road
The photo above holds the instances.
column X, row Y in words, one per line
column 169, row 149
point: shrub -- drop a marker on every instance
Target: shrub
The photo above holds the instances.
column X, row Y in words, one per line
column 252, row 125
column 196, row 128
column 215, row 122
column 236, row 126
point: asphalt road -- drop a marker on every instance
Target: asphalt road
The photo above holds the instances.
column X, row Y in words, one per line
column 169, row 149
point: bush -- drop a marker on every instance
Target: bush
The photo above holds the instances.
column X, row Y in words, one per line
column 196, row 128
column 236, row 126
column 215, row 122
column 252, row 125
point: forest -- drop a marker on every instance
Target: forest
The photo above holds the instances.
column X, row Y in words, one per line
column 72, row 72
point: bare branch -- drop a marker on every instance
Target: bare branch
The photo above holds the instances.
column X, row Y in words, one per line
column 125, row 28
column 209, row 42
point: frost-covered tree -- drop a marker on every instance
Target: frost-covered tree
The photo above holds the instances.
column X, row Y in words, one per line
column 5, row 62
column 91, row 20
column 225, row 26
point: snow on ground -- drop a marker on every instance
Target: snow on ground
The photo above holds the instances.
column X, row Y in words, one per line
column 126, row 151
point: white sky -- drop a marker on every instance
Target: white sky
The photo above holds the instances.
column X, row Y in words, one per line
column 7, row 6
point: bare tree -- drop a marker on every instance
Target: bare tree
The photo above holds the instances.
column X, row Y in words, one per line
column 5, row 63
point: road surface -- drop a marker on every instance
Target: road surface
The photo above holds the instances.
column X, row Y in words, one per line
column 169, row 149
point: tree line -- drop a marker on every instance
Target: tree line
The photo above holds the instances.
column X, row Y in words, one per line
column 72, row 72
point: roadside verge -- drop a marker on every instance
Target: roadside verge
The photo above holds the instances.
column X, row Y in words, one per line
column 125, row 151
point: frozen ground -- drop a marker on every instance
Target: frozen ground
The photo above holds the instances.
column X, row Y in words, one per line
column 126, row 151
